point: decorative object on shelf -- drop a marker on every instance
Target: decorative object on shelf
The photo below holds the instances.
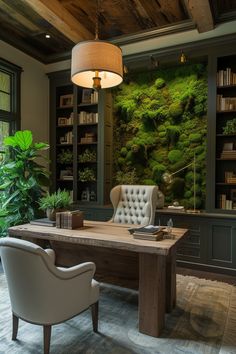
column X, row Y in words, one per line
column 66, row 100
column 85, row 195
column 87, row 175
column 168, row 178
column 92, row 196
column 55, row 202
column 65, row 156
column 182, row 58
column 96, row 64
column 230, row 127
column 88, row 156
column 228, row 151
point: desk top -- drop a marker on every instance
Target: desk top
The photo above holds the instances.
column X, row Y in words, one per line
column 100, row 234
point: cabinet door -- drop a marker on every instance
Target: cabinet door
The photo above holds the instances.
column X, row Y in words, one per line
column 221, row 243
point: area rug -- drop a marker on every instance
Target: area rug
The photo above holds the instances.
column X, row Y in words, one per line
column 204, row 322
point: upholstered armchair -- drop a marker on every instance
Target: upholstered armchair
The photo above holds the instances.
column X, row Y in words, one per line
column 43, row 294
column 134, row 204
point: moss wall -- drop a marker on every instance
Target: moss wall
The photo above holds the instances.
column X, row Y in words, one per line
column 160, row 121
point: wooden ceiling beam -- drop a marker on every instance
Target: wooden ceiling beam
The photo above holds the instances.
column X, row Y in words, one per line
column 56, row 14
column 201, row 14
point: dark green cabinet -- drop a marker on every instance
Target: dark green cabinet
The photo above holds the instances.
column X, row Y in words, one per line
column 211, row 241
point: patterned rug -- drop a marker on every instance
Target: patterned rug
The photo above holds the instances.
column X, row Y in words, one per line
column 204, row 322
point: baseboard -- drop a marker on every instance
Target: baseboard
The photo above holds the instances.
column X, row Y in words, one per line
column 207, row 268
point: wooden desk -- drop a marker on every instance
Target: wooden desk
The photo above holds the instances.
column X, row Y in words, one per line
column 120, row 259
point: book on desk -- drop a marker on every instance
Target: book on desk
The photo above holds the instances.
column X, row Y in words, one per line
column 150, row 232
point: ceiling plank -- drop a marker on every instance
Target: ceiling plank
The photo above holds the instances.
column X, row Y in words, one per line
column 18, row 17
column 201, row 13
column 54, row 13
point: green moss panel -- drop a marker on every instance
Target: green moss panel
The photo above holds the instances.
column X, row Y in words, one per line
column 159, row 123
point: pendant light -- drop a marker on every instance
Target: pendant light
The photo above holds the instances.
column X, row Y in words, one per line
column 96, row 64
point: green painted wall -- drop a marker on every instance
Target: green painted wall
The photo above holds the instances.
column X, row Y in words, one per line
column 160, row 121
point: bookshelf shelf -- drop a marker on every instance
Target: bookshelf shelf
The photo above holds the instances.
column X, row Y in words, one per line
column 225, row 154
column 226, row 111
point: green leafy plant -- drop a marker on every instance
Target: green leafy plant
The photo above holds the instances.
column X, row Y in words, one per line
column 21, row 179
column 230, row 127
column 88, row 156
column 58, row 200
column 65, row 156
column 87, row 175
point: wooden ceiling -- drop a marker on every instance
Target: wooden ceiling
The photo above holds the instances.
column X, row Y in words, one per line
column 24, row 23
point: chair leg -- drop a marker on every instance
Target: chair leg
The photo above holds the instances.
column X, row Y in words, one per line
column 94, row 310
column 15, row 323
column 46, row 338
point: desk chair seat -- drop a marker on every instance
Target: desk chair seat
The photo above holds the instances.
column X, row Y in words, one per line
column 42, row 293
column 134, row 204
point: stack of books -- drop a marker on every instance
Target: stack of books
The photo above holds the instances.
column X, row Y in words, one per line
column 150, row 232
column 228, row 154
column 70, row 219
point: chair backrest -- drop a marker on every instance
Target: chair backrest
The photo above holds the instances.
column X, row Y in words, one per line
column 134, row 204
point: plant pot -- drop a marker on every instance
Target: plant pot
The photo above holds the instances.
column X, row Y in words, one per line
column 51, row 213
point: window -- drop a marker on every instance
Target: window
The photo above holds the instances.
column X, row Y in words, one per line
column 9, row 99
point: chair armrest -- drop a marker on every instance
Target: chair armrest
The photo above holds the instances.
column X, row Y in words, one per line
column 51, row 254
column 75, row 271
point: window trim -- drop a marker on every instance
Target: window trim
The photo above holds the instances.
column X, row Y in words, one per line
column 14, row 116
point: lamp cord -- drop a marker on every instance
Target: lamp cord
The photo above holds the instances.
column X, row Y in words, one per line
column 97, row 18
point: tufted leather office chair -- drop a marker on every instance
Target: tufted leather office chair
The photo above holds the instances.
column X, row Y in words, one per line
column 43, row 294
column 134, row 204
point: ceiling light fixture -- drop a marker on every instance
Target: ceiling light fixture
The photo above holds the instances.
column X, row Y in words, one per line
column 96, row 64
column 47, row 36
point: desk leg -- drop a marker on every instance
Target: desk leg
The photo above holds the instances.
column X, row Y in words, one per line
column 171, row 280
column 152, row 297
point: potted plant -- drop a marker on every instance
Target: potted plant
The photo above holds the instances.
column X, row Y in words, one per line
column 55, row 202
column 21, row 179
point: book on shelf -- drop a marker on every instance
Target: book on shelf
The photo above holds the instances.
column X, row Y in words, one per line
column 225, row 103
column 43, row 222
column 225, row 77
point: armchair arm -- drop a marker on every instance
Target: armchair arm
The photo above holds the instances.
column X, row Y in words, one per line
column 51, row 254
column 75, row 271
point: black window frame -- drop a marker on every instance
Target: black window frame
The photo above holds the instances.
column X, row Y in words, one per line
column 14, row 116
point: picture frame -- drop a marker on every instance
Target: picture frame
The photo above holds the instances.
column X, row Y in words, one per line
column 62, row 121
column 86, row 95
column 66, row 100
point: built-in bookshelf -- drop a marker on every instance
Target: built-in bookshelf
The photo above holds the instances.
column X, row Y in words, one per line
column 225, row 174
column 80, row 140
